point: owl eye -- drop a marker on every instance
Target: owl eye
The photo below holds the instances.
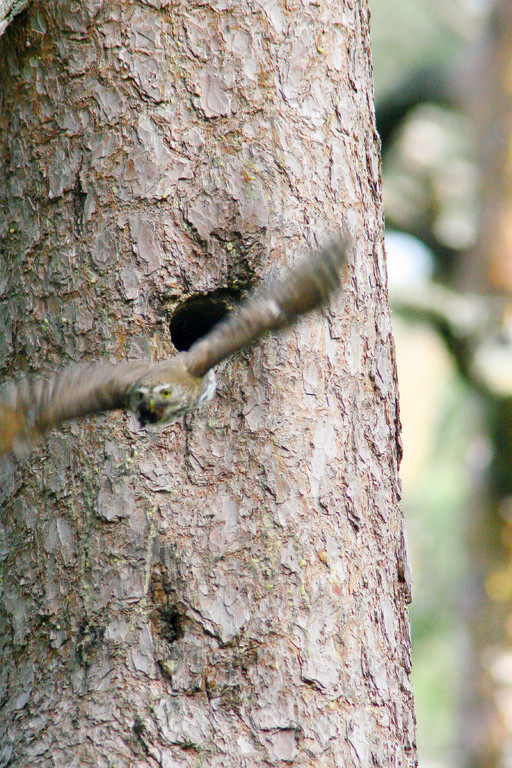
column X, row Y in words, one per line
column 165, row 392
column 139, row 396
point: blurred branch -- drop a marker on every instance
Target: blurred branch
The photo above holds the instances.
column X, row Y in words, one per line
column 477, row 331
column 427, row 84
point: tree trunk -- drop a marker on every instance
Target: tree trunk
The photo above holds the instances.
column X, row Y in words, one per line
column 230, row 591
column 8, row 10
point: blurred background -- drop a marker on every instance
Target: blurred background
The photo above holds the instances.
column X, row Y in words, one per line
column 443, row 79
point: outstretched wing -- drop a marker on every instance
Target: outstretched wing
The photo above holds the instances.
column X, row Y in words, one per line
column 29, row 409
column 302, row 289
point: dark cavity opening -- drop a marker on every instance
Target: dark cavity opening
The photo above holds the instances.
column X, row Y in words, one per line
column 197, row 315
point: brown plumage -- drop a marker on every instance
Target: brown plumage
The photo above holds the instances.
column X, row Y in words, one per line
column 160, row 393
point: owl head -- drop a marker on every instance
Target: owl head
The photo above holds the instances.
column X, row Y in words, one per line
column 168, row 394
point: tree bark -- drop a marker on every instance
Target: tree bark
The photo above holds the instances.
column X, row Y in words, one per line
column 231, row 591
column 9, row 9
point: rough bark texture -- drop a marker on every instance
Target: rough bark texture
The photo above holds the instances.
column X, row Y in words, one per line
column 8, row 10
column 230, row 592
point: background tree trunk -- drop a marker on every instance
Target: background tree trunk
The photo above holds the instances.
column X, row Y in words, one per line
column 486, row 733
column 233, row 590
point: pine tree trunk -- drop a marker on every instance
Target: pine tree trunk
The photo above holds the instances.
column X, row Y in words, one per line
column 230, row 591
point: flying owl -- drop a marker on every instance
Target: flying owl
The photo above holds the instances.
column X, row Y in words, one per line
column 160, row 393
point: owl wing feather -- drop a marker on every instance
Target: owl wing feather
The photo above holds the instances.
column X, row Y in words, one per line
column 305, row 287
column 30, row 409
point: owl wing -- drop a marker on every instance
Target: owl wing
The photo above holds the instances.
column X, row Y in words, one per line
column 305, row 287
column 29, row 409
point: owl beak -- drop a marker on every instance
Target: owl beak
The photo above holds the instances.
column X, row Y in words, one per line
column 148, row 413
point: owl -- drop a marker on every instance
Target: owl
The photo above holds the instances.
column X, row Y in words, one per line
column 160, row 393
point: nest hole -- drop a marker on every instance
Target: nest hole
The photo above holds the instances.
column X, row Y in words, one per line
column 197, row 315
